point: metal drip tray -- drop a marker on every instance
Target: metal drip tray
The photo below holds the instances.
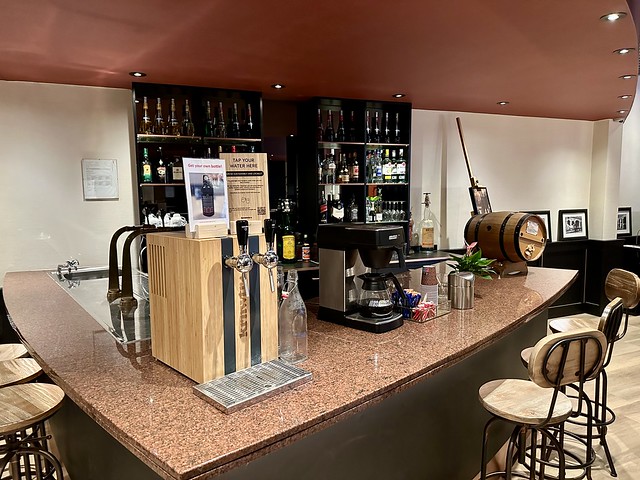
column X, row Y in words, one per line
column 251, row 385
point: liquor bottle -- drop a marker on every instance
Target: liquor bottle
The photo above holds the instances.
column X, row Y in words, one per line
column 145, row 124
column 208, row 121
column 208, row 153
column 353, row 209
column 394, row 167
column 354, row 169
column 378, row 204
column 287, row 236
column 208, row 207
column 397, row 130
column 331, row 167
column 343, row 176
column 292, row 323
column 377, row 161
column 176, row 171
column 321, row 172
column 221, row 128
column 337, row 210
column 159, row 127
column 341, row 134
column 174, row 126
column 234, row 128
column 248, row 125
column 187, row 124
column 386, row 138
column 306, row 248
column 147, row 176
column 427, row 232
column 161, row 169
column 367, row 127
column 329, row 135
column 320, row 128
column 352, row 127
column 402, row 168
column 323, row 208
column 376, row 127
column 387, row 167
column 329, row 207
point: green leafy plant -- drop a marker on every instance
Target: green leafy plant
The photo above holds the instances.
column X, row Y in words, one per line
column 472, row 262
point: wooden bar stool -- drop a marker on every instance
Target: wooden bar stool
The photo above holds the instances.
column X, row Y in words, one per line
column 20, row 370
column 538, row 406
column 21, row 408
column 11, row 351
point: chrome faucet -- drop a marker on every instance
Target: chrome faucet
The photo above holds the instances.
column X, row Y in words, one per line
column 268, row 259
column 243, row 262
column 69, row 265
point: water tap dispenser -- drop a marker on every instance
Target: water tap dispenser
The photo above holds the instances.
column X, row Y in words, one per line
column 268, row 259
column 242, row 262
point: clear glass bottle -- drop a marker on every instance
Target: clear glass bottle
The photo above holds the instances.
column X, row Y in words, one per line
column 187, row 128
column 145, row 124
column 427, row 231
column 174, row 125
column 292, row 323
column 159, row 127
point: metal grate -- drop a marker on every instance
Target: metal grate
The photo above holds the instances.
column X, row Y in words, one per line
column 251, row 385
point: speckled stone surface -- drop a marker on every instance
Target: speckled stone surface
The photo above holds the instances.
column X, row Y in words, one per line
column 152, row 410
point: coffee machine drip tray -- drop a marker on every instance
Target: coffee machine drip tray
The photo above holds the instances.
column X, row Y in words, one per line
column 375, row 325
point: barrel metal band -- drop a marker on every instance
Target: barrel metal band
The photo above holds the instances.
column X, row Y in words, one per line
column 501, row 236
column 516, row 236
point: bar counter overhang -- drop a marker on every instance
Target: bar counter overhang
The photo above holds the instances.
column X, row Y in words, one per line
column 403, row 403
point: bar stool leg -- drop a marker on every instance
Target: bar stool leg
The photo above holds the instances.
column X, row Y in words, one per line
column 602, row 430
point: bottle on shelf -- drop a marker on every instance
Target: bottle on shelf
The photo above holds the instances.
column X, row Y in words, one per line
column 145, row 125
column 208, row 121
column 234, row 127
column 208, row 205
column 337, row 209
column 329, row 135
column 352, row 127
column 387, row 167
column 343, row 176
column 287, row 236
column 320, row 128
column 187, row 124
column 402, row 168
column 292, row 323
column 375, row 137
column 386, row 137
column 396, row 136
column 147, row 176
column 394, row 167
column 323, row 208
column 427, row 233
column 329, row 207
column 341, row 134
column 159, row 127
column 354, row 168
column 321, row 170
column 367, row 127
column 378, row 204
column 221, row 128
column 410, row 239
column 306, row 248
column 176, row 171
column 161, row 168
column 249, row 131
column 174, row 126
column 352, row 215
column 331, row 167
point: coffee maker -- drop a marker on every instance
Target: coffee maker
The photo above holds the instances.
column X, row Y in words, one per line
column 354, row 275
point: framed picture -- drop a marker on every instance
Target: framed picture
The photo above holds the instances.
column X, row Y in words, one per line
column 480, row 200
column 623, row 224
column 572, row 224
column 545, row 215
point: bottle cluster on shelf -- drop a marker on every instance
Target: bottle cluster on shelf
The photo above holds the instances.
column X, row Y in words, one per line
column 161, row 169
column 333, row 210
column 381, row 132
column 341, row 168
column 379, row 210
column 212, row 124
column 378, row 127
column 385, row 168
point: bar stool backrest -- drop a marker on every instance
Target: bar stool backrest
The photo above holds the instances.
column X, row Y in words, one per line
column 611, row 319
column 624, row 284
column 568, row 357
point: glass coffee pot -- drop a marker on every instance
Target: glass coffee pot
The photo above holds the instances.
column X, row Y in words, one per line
column 375, row 300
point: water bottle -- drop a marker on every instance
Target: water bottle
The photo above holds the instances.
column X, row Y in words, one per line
column 292, row 323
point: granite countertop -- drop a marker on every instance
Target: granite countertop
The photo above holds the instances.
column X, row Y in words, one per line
column 152, row 410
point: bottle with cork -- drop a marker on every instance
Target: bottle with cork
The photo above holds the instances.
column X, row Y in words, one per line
column 428, row 231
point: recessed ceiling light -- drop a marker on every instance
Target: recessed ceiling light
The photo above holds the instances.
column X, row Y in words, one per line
column 137, row 74
column 623, row 51
column 624, row 97
column 277, row 86
column 622, row 112
column 399, row 95
column 626, row 77
column 503, row 102
column 613, row 17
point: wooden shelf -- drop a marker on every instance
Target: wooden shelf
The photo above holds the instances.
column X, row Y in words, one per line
column 162, row 184
column 323, row 144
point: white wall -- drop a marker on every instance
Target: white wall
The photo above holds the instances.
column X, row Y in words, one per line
column 525, row 163
column 45, row 131
column 630, row 165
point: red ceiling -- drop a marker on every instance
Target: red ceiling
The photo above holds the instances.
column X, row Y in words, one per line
column 548, row 58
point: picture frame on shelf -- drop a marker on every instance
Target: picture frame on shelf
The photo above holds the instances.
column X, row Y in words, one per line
column 623, row 222
column 545, row 215
column 480, row 200
column 573, row 224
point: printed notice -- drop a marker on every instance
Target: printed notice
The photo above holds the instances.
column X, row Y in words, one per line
column 99, row 179
column 247, row 185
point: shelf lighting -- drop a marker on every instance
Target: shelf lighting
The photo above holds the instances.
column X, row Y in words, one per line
column 626, row 77
column 624, row 97
column 399, row 95
column 622, row 112
column 503, row 102
column 623, row 51
column 277, row 86
column 613, row 16
column 138, row 74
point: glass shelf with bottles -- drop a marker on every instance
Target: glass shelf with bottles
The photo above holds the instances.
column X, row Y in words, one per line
column 339, row 169
column 387, row 168
column 153, row 138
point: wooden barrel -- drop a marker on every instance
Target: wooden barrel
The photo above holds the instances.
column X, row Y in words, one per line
column 513, row 236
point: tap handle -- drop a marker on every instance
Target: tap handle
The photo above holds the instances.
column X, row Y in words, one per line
column 242, row 230
column 269, row 231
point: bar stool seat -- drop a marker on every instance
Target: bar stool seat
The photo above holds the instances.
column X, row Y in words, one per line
column 11, row 351
column 20, row 370
column 23, row 407
column 565, row 324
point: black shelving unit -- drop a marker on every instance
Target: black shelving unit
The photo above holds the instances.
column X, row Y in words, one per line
column 171, row 196
column 356, row 143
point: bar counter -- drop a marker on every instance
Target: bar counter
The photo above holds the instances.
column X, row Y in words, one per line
column 151, row 409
